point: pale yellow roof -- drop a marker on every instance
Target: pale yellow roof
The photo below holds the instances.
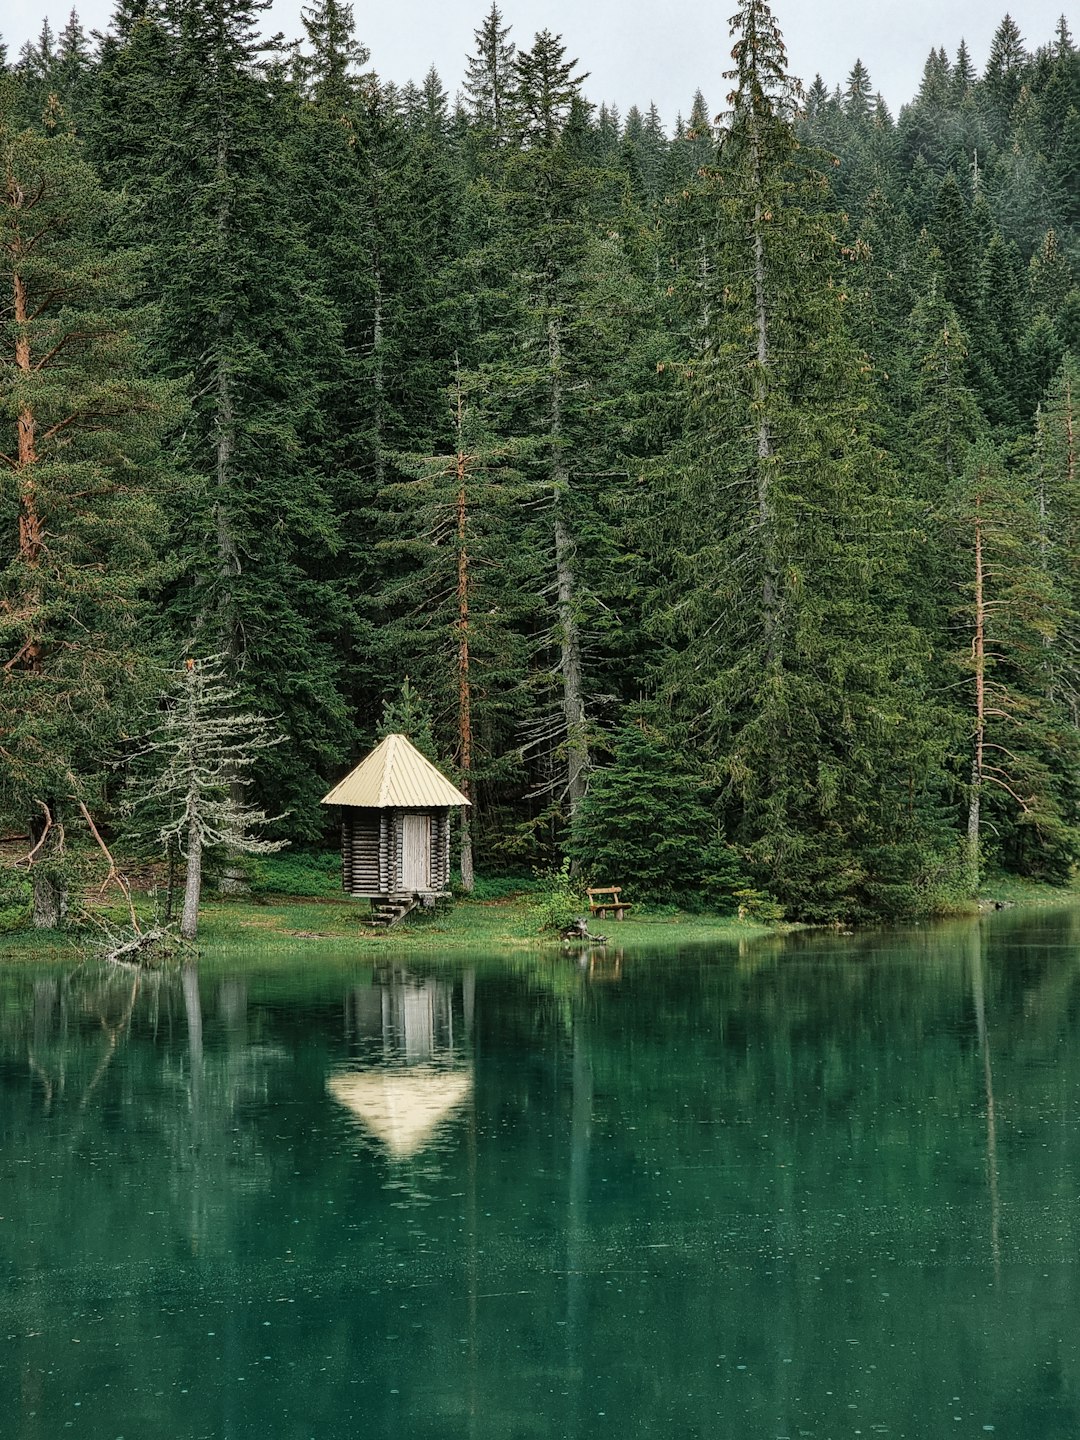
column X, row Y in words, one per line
column 403, row 1109
column 395, row 773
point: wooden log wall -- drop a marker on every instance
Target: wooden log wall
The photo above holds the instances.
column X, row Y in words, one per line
column 360, row 847
column 371, row 850
column 440, row 851
column 388, row 868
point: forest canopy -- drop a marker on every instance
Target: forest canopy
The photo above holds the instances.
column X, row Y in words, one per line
column 725, row 476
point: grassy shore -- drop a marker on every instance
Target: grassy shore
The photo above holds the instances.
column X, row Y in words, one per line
column 277, row 926
column 281, row 925
column 506, row 923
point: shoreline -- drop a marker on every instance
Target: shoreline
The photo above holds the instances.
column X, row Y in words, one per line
column 274, row 927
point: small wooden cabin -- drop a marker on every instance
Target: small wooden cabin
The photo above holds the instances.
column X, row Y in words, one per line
column 395, row 825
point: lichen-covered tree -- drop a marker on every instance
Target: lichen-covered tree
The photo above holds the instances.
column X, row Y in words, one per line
column 198, row 758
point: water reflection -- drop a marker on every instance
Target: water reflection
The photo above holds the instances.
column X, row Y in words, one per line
column 414, row 1073
column 976, row 947
column 817, row 1186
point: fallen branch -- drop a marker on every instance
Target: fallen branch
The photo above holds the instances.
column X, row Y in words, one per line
column 579, row 930
column 131, row 952
column 113, row 874
column 44, row 834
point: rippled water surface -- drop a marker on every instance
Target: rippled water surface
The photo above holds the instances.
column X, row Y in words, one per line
column 817, row 1187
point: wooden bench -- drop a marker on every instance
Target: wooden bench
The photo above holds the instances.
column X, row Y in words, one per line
column 612, row 905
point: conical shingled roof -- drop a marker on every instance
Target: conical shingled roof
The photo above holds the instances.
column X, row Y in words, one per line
column 395, row 773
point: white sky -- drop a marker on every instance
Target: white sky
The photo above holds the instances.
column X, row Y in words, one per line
column 635, row 52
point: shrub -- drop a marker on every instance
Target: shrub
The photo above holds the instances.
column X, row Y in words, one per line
column 757, row 905
column 16, row 897
column 296, row 873
column 503, row 887
column 557, row 899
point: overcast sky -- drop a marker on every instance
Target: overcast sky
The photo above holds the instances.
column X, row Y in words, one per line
column 636, row 52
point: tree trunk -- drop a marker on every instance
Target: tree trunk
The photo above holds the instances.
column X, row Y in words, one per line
column 50, row 902
column 189, row 916
column 31, row 527
column 228, row 556
column 378, row 377
column 50, row 895
column 573, row 701
column 31, row 534
column 979, row 656
column 468, row 872
column 765, row 518
column 464, row 679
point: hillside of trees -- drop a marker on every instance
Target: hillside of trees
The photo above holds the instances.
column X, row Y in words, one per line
column 718, row 487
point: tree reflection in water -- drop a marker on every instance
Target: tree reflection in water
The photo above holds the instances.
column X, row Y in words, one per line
column 720, row 1191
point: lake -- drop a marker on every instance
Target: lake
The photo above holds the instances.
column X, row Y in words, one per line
column 816, row 1186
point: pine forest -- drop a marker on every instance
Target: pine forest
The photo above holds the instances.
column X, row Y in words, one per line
column 703, row 499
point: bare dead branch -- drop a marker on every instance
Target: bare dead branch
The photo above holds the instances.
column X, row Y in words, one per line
column 48, row 826
column 113, row 875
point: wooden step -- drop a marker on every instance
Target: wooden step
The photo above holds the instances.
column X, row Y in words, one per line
column 385, row 913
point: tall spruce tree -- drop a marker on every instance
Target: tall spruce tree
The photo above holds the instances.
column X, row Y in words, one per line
column 792, row 662
column 490, row 78
column 243, row 314
column 545, row 186
column 465, row 599
column 1012, row 615
column 81, row 528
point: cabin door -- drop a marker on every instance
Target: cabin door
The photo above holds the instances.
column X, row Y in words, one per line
column 416, row 852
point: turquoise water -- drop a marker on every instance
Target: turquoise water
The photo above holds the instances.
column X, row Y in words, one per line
column 816, row 1187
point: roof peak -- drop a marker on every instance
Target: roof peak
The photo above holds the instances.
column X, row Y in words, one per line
column 395, row 774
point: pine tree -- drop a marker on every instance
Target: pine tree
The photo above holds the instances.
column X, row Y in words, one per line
column 858, row 94
column 409, row 714
column 490, row 79
column 922, row 128
column 82, row 532
column 243, row 313
column 786, row 552
column 72, row 68
column 964, row 74
column 1004, row 75
column 34, row 69
column 546, row 186
column 651, row 821
column 337, row 56
column 1011, row 613
column 996, row 327
column 461, row 630
column 128, row 108
column 545, row 89
column 335, row 156
column 1055, row 473
column 953, row 233
column 196, row 763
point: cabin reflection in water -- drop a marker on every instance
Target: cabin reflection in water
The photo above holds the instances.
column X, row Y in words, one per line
column 414, row 1074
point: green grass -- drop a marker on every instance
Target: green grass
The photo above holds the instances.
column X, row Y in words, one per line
column 1011, row 889
column 275, row 926
column 232, row 929
column 465, row 925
